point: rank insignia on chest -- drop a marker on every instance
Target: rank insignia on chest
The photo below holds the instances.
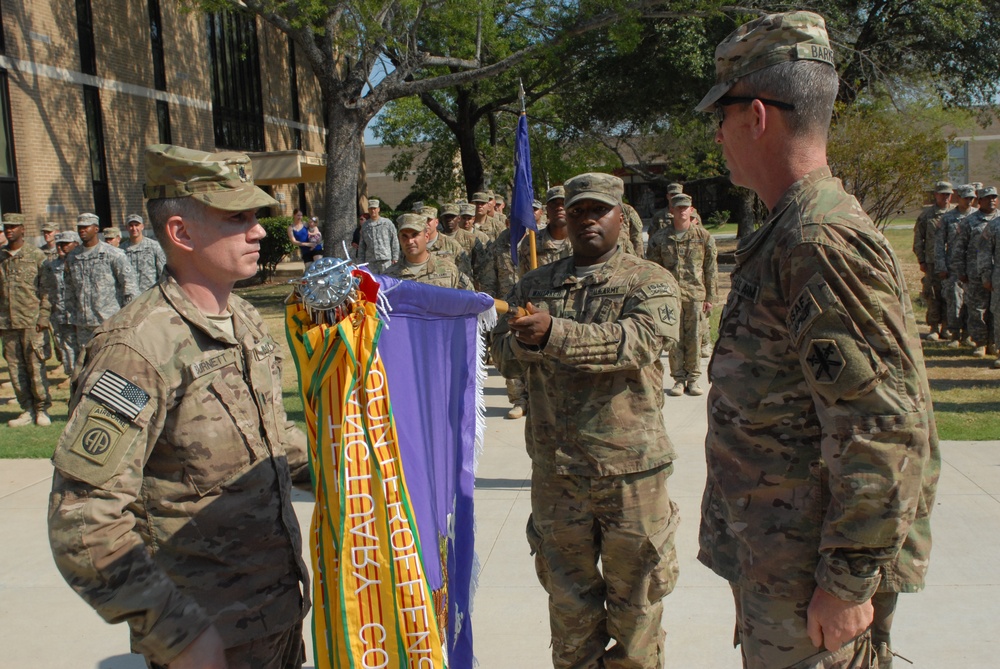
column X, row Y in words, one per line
column 667, row 315
column 825, row 360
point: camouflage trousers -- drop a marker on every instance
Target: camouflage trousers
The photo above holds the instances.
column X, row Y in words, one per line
column 705, row 327
column 931, row 290
column 24, row 351
column 953, row 294
column 379, row 266
column 771, row 634
column 994, row 312
column 283, row 650
column 627, row 523
column 977, row 300
column 517, row 392
column 64, row 337
column 685, row 358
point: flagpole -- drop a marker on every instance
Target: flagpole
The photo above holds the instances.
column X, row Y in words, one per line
column 532, row 247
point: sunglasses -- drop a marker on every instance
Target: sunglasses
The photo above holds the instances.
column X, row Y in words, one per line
column 726, row 100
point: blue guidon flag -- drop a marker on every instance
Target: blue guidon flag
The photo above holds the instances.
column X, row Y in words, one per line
column 119, row 395
column 522, row 214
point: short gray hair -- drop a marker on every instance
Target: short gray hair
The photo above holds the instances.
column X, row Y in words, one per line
column 161, row 209
column 809, row 85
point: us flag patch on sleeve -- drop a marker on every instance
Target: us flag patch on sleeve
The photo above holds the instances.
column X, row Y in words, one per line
column 119, row 395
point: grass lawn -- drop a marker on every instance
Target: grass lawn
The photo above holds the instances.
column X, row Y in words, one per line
column 964, row 389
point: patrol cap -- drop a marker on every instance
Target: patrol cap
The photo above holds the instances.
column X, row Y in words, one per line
column 987, row 191
column 67, row 236
column 965, row 191
column 429, row 212
column 468, row 209
column 449, row 210
column 480, row 198
column 133, row 217
column 605, row 188
column 500, row 200
column 417, row 206
column 222, row 180
column 674, row 188
column 416, row 222
column 111, row 233
column 766, row 41
column 535, row 204
column 49, row 227
column 87, row 219
column 13, row 219
column 977, row 185
column 555, row 193
column 374, row 204
column 943, row 187
column 680, row 200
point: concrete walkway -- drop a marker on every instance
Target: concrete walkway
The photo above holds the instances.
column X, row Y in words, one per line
column 952, row 624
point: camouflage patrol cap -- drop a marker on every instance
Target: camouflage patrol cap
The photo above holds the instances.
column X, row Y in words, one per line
column 49, row 227
column 133, row 217
column 555, row 193
column 535, row 204
column 480, row 198
column 222, row 180
column 87, row 219
column 429, row 212
column 374, row 204
column 111, row 233
column 680, row 200
column 13, row 219
column 416, row 222
column 987, row 191
column 417, row 206
column 449, row 210
column 467, row 209
column 943, row 187
column 605, row 188
column 976, row 185
column 674, row 188
column 965, row 191
column 766, row 41
column 500, row 200
column 67, row 237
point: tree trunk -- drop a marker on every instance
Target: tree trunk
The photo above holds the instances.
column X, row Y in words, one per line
column 465, row 133
column 345, row 131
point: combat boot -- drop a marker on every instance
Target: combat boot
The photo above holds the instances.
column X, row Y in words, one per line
column 694, row 389
column 24, row 419
column 932, row 336
column 980, row 352
column 42, row 419
column 516, row 411
column 677, row 390
column 996, row 364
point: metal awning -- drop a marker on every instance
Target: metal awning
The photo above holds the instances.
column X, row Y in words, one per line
column 272, row 168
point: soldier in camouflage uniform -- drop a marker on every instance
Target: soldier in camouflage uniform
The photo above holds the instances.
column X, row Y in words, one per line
column 417, row 263
column 965, row 260
column 989, row 264
column 112, row 236
column 924, row 232
column 53, row 284
column 590, row 350
column 483, row 219
column 444, row 246
column 379, row 246
column 822, row 450
column 171, row 500
column 475, row 241
column 632, row 241
column 145, row 255
column 552, row 243
column 944, row 246
column 24, row 317
column 49, row 231
column 688, row 252
column 99, row 281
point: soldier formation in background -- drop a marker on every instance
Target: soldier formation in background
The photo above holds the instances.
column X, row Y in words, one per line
column 379, row 247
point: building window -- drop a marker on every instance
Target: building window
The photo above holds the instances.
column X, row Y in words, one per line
column 294, row 85
column 958, row 162
column 3, row 40
column 156, row 42
column 237, row 107
column 163, row 122
column 10, row 199
column 98, row 164
column 85, row 32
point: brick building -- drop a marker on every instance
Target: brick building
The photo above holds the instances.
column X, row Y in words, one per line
column 86, row 84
